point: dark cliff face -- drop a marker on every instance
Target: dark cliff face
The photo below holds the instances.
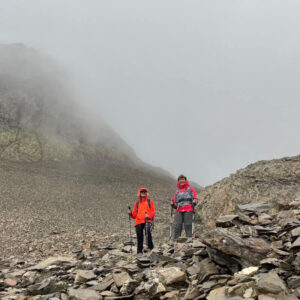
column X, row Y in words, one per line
column 40, row 118
column 276, row 181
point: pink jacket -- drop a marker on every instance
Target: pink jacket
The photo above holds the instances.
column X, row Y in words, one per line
column 186, row 189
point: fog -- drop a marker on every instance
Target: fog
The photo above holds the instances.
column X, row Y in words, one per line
column 195, row 87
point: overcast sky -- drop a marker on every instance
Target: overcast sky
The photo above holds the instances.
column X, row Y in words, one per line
column 196, row 87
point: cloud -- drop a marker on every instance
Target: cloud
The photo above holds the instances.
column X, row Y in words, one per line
column 199, row 87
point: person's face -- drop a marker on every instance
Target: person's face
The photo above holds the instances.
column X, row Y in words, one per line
column 182, row 181
column 143, row 194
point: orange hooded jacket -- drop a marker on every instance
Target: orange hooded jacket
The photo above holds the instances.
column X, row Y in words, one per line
column 140, row 215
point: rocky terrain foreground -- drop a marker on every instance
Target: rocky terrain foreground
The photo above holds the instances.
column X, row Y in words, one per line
column 252, row 254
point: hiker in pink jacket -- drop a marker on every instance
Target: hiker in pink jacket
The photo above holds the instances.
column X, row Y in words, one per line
column 184, row 201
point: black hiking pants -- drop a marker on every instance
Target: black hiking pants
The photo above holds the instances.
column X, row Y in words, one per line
column 183, row 218
column 140, row 236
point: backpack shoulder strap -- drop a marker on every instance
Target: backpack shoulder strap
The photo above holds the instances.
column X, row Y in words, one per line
column 149, row 203
column 190, row 191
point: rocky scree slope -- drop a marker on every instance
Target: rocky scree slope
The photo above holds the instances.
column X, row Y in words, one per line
column 253, row 254
column 274, row 181
column 61, row 172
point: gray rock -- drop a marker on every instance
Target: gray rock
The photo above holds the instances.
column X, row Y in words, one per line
column 226, row 221
column 217, row 294
column 295, row 232
column 293, row 282
column 128, row 287
column 83, row 294
column 84, row 275
column 193, row 270
column 120, row 278
column 51, row 261
column 47, row 286
column 105, row 284
column 270, row 283
column 255, row 207
column 296, row 244
column 171, row 275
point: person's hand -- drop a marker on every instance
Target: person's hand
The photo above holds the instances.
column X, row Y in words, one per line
column 129, row 212
column 171, row 203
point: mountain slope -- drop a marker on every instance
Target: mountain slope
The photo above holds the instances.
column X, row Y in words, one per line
column 62, row 169
column 275, row 180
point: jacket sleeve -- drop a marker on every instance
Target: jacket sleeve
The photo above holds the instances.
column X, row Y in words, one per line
column 195, row 196
column 174, row 198
column 134, row 211
column 194, row 193
column 152, row 210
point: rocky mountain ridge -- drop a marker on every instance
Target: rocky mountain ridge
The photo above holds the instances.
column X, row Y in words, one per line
column 275, row 181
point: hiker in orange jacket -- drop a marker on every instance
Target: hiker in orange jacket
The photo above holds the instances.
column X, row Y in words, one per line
column 143, row 213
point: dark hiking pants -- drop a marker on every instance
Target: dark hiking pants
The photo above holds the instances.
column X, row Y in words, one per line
column 140, row 236
column 183, row 218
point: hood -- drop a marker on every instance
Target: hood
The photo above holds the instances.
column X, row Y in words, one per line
column 185, row 186
column 139, row 192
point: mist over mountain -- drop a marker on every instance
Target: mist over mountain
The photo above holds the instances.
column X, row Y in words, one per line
column 61, row 169
column 40, row 115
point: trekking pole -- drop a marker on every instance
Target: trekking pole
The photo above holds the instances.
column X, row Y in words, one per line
column 171, row 222
column 130, row 236
column 146, row 229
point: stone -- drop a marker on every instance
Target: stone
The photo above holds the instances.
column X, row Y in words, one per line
column 296, row 244
column 108, row 294
column 207, row 285
column 120, row 278
column 250, row 271
column 47, row 286
column 10, row 282
column 264, row 219
column 160, row 288
column 128, row 287
column 52, row 261
column 174, row 295
column 250, row 250
column 265, row 297
column 198, row 244
column 217, row 294
column 193, row 270
column 194, row 293
column 293, row 282
column 84, row 275
column 240, row 289
column 171, row 275
column 207, row 268
column 249, row 293
column 255, row 207
column 226, row 221
column 83, row 294
column 270, row 283
column 295, row 232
